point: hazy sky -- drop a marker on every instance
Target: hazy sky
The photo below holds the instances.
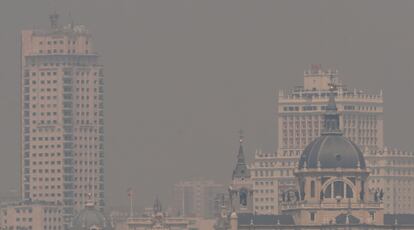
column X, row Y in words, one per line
column 183, row 76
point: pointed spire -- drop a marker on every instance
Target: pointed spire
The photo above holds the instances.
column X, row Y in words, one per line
column 157, row 206
column 72, row 23
column 331, row 113
column 241, row 171
column 240, row 156
column 54, row 20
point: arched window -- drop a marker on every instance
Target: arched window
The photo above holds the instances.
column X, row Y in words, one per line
column 243, row 197
column 312, row 189
column 338, row 189
column 328, row 191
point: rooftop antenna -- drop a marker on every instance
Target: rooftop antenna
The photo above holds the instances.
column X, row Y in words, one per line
column 334, row 80
column 131, row 205
column 333, row 84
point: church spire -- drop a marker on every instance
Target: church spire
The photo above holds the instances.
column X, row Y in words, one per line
column 157, row 208
column 241, row 170
column 331, row 114
column 54, row 20
column 240, row 156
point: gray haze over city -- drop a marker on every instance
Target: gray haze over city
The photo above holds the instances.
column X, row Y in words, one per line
column 182, row 77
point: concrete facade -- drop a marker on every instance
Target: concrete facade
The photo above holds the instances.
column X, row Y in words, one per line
column 61, row 125
column 392, row 172
column 301, row 109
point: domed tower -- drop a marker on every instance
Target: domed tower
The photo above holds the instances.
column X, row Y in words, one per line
column 90, row 219
column 332, row 180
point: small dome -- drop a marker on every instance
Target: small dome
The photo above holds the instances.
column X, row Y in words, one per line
column 332, row 151
column 90, row 218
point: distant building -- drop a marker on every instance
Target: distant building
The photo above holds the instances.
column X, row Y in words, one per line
column 332, row 181
column 268, row 182
column 161, row 220
column 332, row 189
column 392, row 173
column 196, row 198
column 118, row 218
column 300, row 121
column 301, row 109
column 37, row 215
column 221, row 200
column 61, row 120
column 158, row 220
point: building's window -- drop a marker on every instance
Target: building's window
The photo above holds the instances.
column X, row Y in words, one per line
column 372, row 215
column 338, row 189
column 312, row 216
column 312, row 189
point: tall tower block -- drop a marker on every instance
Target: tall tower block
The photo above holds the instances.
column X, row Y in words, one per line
column 61, row 117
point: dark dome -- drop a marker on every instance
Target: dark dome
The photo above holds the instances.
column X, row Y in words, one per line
column 88, row 218
column 332, row 151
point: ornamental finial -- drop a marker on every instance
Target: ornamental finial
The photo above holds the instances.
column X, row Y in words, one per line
column 241, row 136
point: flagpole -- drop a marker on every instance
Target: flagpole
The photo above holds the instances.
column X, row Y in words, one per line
column 131, row 214
column 131, row 210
